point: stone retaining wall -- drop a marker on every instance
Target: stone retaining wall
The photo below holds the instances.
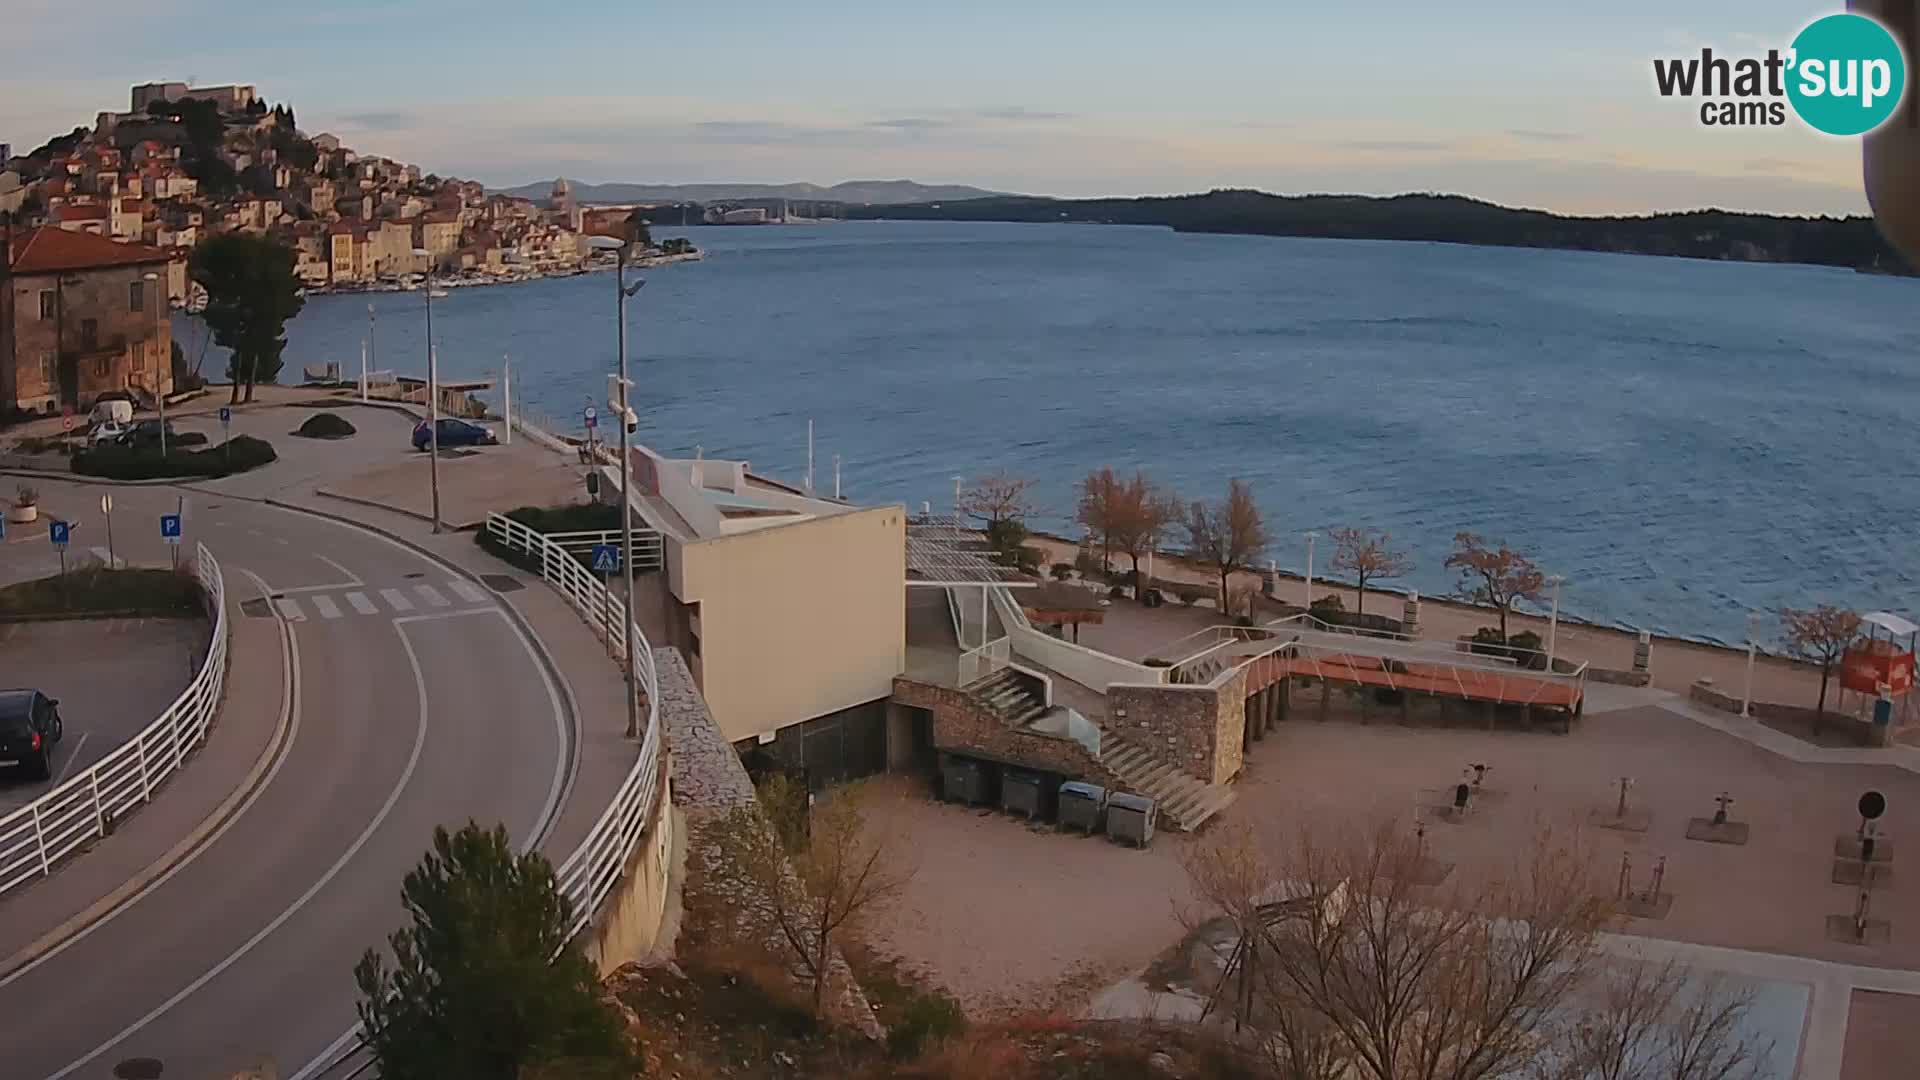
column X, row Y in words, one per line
column 963, row 725
column 1705, row 693
column 1195, row 728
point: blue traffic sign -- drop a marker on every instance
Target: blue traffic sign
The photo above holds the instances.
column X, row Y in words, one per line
column 606, row 558
column 3, row 528
column 593, row 418
column 58, row 532
column 226, row 415
column 170, row 528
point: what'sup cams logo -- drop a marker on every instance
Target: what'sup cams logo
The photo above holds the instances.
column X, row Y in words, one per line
column 1843, row 75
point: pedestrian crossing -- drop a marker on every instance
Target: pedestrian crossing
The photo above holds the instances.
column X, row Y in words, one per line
column 360, row 602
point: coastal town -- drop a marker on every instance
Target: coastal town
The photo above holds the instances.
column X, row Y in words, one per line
column 134, row 194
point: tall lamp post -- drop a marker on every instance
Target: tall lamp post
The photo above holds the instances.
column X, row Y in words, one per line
column 1753, row 646
column 161, row 385
column 621, row 294
column 1553, row 620
column 433, row 400
column 1311, row 537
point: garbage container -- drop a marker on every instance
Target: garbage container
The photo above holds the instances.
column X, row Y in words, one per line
column 1131, row 818
column 1020, row 793
column 1081, row 805
column 963, row 780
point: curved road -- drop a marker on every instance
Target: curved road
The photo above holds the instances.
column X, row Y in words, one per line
column 414, row 701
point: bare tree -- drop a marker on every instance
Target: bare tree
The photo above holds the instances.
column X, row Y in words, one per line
column 806, row 873
column 1494, row 575
column 1821, row 635
column 1656, row 1021
column 1227, row 535
column 1350, row 968
column 1099, row 493
column 1367, row 556
column 1144, row 516
column 996, row 499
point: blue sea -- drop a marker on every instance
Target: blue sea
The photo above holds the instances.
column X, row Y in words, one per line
column 1685, row 441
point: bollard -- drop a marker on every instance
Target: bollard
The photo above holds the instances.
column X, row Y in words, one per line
column 1410, row 615
column 1643, row 651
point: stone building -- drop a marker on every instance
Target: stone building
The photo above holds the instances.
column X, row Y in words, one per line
column 80, row 315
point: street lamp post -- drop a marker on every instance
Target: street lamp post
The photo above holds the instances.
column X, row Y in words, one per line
column 368, row 359
column 433, row 402
column 161, row 385
column 1553, row 620
column 1746, row 697
column 620, row 247
column 1311, row 537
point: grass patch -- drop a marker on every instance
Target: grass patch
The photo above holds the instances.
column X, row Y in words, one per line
column 98, row 589
column 238, row 454
column 915, row 1013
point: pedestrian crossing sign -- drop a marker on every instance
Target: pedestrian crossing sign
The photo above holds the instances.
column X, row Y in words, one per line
column 606, row 558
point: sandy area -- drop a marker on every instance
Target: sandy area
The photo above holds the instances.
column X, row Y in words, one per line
column 1675, row 664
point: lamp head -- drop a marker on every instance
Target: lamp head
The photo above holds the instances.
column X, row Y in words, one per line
column 605, row 243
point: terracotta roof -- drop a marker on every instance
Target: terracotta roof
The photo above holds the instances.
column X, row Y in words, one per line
column 81, row 212
column 50, row 250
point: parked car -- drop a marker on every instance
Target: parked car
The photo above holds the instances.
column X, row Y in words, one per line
column 453, row 433
column 107, row 431
column 29, row 726
column 145, row 434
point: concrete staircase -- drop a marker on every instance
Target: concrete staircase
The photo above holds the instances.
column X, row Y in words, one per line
column 1011, row 696
column 1185, row 801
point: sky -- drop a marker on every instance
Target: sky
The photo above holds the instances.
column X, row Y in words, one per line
column 1544, row 104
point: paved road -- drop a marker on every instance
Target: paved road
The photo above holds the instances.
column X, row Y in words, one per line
column 416, row 702
column 111, row 676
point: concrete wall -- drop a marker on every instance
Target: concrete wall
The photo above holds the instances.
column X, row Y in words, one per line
column 1705, row 693
column 1095, row 670
column 963, row 725
column 798, row 620
column 1195, row 728
column 629, row 925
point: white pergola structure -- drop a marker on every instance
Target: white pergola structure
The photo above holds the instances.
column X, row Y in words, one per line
column 943, row 553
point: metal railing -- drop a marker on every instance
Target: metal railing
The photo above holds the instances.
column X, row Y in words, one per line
column 647, row 550
column 594, row 868
column 86, row 806
column 977, row 664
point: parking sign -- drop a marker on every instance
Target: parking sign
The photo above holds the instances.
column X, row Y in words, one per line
column 226, row 416
column 59, row 532
column 170, row 528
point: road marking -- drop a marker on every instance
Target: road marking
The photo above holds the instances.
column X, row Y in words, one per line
column 393, row 797
column 71, row 758
column 396, row 599
column 290, row 609
column 112, row 561
column 327, row 608
column 361, row 604
column 432, row 596
column 351, row 577
column 467, row 591
column 304, row 589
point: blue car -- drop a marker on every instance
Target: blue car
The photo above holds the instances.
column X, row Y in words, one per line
column 453, row 433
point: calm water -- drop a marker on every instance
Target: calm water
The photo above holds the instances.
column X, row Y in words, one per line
column 1683, row 440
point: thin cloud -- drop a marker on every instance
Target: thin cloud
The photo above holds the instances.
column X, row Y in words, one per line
column 382, row 120
column 1395, row 146
column 909, row 123
column 1542, row 136
column 1016, row 112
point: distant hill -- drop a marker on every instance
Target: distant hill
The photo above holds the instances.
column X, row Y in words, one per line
column 858, row 192
column 1700, row 234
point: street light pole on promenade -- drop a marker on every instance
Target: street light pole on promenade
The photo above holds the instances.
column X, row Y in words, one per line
column 620, row 247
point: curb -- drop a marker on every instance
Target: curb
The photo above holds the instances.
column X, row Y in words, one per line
column 373, row 504
column 186, row 846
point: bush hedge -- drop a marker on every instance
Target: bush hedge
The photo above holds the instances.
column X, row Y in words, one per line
column 98, row 589
column 325, row 425
column 238, row 454
column 579, row 517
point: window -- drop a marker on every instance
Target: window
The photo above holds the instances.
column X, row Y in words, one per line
column 137, row 296
column 47, row 304
column 47, row 364
column 103, row 364
column 89, row 333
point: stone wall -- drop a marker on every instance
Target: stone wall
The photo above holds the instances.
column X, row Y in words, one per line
column 1195, row 728
column 1620, row 678
column 963, row 725
column 1705, row 693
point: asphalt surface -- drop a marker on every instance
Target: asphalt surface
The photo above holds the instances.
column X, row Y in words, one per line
column 112, row 677
column 416, row 703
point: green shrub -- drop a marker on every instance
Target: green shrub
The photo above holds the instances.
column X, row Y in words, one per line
column 1062, row 571
column 1192, row 594
column 187, row 438
column 236, row 455
column 1154, row 661
column 1528, row 650
column 1118, row 592
column 927, row 1018
column 1087, row 563
column 325, row 425
column 1328, row 603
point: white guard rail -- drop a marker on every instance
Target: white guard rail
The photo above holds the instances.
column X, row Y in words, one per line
column 592, row 871
column 85, row 806
column 647, row 551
